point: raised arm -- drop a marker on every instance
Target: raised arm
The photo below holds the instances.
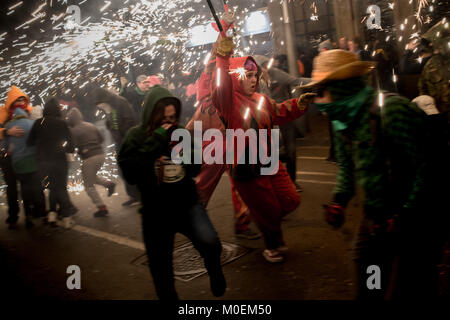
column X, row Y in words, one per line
column 221, row 82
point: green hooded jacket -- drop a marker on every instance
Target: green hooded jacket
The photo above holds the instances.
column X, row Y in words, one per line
column 141, row 158
column 401, row 140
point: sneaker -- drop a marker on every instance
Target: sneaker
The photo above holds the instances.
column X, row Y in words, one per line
column 111, row 189
column 273, row 256
column 217, row 282
column 131, row 202
column 102, row 212
column 298, row 188
column 248, row 234
column 68, row 222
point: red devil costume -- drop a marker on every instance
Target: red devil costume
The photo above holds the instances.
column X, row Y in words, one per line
column 269, row 197
column 211, row 174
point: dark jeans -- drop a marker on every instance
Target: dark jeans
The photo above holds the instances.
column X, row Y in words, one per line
column 288, row 131
column 55, row 177
column 373, row 249
column 407, row 259
column 32, row 194
column 160, row 227
column 11, row 188
column 132, row 191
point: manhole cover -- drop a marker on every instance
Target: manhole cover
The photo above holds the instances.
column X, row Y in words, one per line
column 188, row 264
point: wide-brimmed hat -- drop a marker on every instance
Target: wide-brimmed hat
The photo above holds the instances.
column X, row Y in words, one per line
column 337, row 64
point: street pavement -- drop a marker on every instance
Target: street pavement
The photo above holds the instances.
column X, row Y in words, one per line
column 111, row 255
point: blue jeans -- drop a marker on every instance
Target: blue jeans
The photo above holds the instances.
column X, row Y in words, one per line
column 159, row 228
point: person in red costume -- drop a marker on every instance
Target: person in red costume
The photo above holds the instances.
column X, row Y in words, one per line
column 234, row 95
column 211, row 174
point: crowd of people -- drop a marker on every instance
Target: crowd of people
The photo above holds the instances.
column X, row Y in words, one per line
column 396, row 149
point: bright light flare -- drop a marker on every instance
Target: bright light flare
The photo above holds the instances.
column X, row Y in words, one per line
column 218, row 78
column 260, row 103
column 247, row 112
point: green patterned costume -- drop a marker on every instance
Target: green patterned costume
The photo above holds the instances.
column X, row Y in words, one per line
column 380, row 149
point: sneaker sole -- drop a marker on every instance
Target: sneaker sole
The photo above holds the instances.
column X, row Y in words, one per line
column 241, row 236
column 273, row 260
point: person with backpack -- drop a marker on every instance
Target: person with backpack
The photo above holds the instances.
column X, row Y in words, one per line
column 379, row 140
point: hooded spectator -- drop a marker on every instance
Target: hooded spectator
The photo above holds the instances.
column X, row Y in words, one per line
column 120, row 118
column 52, row 139
column 170, row 202
column 88, row 140
column 17, row 160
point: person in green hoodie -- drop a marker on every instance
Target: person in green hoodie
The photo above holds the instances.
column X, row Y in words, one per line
column 170, row 202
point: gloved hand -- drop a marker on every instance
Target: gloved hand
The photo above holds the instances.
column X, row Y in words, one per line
column 305, row 99
column 225, row 46
column 334, row 215
column 385, row 225
column 228, row 17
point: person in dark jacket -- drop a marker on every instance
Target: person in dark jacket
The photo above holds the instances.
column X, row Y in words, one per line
column 120, row 117
column 170, row 202
column 88, row 140
column 135, row 95
column 51, row 136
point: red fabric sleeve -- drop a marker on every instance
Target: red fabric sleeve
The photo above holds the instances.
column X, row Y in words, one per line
column 286, row 111
column 222, row 95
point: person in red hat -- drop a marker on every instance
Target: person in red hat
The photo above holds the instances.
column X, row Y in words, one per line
column 234, row 94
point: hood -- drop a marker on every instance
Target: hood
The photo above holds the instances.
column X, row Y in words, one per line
column 52, row 109
column 260, row 60
column 101, row 95
column 155, row 94
column 239, row 63
column 14, row 94
column 74, row 117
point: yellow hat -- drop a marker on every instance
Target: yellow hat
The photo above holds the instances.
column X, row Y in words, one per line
column 337, row 64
